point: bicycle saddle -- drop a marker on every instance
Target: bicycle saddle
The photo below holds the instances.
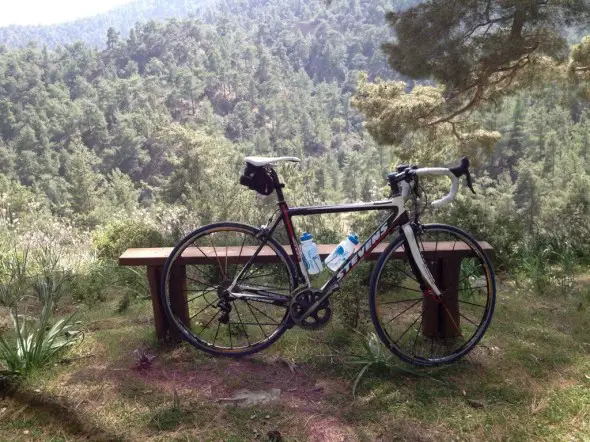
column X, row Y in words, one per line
column 263, row 161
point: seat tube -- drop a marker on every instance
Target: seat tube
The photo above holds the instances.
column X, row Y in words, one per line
column 284, row 208
column 293, row 241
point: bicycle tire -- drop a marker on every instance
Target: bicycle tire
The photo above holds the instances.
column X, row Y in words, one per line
column 187, row 333
column 378, row 316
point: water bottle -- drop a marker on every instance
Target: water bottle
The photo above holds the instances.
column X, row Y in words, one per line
column 341, row 253
column 309, row 251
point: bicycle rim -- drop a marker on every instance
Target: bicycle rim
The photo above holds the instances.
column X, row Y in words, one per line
column 419, row 327
column 215, row 322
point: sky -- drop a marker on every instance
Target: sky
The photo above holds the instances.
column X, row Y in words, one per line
column 35, row 12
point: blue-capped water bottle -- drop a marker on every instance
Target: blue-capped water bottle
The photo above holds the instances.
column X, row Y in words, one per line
column 341, row 253
column 309, row 251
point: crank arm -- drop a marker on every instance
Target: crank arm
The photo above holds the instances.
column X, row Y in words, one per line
column 316, row 304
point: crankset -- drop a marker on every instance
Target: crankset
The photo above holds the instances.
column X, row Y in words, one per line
column 302, row 301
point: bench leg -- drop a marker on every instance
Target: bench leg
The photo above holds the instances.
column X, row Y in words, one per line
column 443, row 321
column 154, row 275
column 450, row 325
column 178, row 296
column 178, row 300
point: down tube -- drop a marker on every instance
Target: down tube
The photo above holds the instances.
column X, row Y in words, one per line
column 394, row 220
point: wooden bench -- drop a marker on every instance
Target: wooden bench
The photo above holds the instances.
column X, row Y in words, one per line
column 445, row 269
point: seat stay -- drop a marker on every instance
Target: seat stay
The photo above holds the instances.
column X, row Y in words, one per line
column 266, row 233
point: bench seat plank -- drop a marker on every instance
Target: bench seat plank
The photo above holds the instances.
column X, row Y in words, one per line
column 445, row 256
column 209, row 255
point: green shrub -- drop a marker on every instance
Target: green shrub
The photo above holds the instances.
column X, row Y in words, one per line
column 491, row 216
column 13, row 276
column 535, row 265
column 98, row 279
column 118, row 236
column 351, row 302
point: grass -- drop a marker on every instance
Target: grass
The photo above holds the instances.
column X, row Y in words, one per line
column 529, row 379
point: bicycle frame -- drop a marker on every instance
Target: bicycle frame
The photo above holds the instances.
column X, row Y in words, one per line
column 398, row 217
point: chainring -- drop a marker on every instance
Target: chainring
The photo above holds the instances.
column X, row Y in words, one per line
column 302, row 301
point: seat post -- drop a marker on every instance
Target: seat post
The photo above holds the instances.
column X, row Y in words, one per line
column 277, row 185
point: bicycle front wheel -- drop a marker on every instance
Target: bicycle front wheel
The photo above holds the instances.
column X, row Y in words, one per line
column 418, row 326
column 213, row 319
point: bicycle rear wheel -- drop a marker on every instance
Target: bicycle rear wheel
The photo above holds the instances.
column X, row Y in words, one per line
column 419, row 327
column 216, row 321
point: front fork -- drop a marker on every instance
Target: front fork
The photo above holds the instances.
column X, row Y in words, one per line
column 419, row 266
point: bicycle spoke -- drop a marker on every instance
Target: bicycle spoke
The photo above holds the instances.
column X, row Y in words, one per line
column 397, row 316
column 210, row 321
column 451, row 318
column 256, row 319
column 402, row 300
column 411, row 325
column 259, row 276
column 408, row 275
column 198, row 296
column 203, row 309
column 456, row 286
column 465, row 317
column 250, row 275
column 436, row 248
column 226, row 259
column 471, row 303
column 245, row 332
column 472, row 288
column 239, row 255
column 407, row 288
column 216, row 256
column 216, row 332
column 260, row 311
column 202, row 272
column 201, row 290
column 418, row 332
column 205, row 256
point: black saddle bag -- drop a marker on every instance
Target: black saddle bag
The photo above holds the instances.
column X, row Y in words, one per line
column 258, row 179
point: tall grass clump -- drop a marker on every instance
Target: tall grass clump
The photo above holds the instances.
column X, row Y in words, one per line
column 35, row 342
column 549, row 265
column 30, row 286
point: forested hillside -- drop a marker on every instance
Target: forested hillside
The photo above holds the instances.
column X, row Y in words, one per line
column 161, row 118
column 247, row 82
column 116, row 135
column 92, row 30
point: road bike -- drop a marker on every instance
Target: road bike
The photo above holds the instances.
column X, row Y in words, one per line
column 432, row 291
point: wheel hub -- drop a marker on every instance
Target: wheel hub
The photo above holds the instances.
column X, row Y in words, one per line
column 224, row 304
